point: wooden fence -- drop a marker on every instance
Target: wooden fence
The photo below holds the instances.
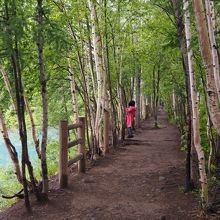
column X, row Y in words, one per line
column 64, row 129
column 64, row 163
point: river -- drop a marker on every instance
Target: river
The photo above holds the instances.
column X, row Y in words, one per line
column 5, row 159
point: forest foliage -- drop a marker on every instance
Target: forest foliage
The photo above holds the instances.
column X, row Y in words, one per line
column 125, row 50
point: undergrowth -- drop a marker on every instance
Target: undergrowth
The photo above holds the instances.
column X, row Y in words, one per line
column 9, row 184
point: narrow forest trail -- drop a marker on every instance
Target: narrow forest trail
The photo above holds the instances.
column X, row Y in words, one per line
column 142, row 180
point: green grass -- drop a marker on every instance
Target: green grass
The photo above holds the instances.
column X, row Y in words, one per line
column 9, row 184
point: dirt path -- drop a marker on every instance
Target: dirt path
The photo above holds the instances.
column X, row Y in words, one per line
column 142, row 180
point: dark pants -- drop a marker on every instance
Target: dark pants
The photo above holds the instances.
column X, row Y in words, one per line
column 130, row 132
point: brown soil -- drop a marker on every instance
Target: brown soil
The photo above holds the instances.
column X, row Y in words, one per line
column 144, row 179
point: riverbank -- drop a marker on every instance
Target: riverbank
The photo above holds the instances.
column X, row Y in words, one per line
column 8, row 182
column 5, row 160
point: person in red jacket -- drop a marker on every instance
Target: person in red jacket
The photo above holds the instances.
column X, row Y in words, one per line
column 130, row 110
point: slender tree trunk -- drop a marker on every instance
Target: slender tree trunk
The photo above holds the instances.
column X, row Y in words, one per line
column 33, row 126
column 210, row 15
column 8, row 86
column 43, row 82
column 105, row 96
column 85, row 86
column 73, row 92
column 213, row 144
column 123, row 98
column 143, row 103
column 98, row 55
column 21, row 116
column 195, row 110
column 151, row 105
column 121, row 108
column 121, row 117
column 156, row 85
column 88, row 107
column 205, row 47
column 154, row 96
column 118, row 61
column 113, row 109
column 91, row 63
column 212, row 152
column 174, row 104
column 157, row 90
column 10, row 91
column 138, row 101
column 86, row 99
column 182, row 42
column 89, row 122
column 11, row 149
column 20, row 106
column 22, row 133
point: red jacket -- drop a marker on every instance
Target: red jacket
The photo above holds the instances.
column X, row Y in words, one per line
column 130, row 115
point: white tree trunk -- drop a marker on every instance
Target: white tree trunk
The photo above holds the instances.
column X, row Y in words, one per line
column 151, row 105
column 174, row 103
column 143, row 102
column 121, row 106
column 137, row 98
column 8, row 86
column 33, row 126
column 43, row 82
column 100, row 73
column 120, row 111
column 195, row 110
column 211, row 144
column 73, row 92
column 210, row 15
column 11, row 150
column 212, row 97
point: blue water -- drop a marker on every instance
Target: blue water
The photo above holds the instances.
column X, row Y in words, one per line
column 5, row 159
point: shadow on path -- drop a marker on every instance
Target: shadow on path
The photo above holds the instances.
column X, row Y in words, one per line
column 143, row 181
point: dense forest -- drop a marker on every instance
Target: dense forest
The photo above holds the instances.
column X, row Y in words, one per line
column 61, row 59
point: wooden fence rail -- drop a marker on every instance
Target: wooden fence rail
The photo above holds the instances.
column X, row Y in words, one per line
column 65, row 145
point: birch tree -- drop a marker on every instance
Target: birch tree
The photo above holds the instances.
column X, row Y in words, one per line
column 11, row 149
column 206, row 53
column 73, row 91
column 210, row 15
column 182, row 42
column 138, row 100
column 43, row 82
column 195, row 110
column 156, row 86
column 8, row 86
column 100, row 72
column 15, row 60
column 33, row 125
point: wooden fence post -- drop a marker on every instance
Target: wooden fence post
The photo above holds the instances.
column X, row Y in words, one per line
column 63, row 154
column 106, row 132
column 81, row 134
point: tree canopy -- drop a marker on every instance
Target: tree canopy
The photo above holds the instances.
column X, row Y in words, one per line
column 79, row 58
